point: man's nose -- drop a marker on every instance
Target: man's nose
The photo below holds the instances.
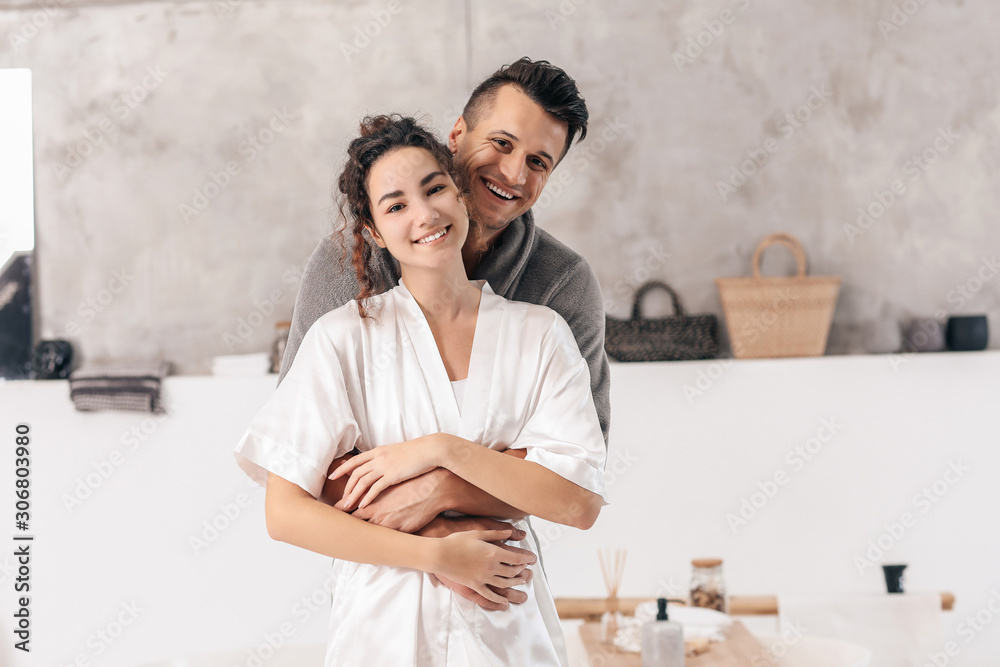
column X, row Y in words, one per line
column 514, row 169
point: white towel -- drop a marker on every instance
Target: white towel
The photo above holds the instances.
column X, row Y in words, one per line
column 258, row 363
column 899, row 629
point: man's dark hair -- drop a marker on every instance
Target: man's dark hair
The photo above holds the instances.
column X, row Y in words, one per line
column 547, row 85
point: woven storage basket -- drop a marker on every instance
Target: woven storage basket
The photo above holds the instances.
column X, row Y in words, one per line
column 778, row 316
column 678, row 337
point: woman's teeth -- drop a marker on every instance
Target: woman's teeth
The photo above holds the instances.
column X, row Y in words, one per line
column 434, row 237
column 498, row 191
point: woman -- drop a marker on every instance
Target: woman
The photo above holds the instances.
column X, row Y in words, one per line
column 437, row 372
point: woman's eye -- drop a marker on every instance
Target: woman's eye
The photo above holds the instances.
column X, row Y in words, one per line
column 394, row 208
column 435, row 189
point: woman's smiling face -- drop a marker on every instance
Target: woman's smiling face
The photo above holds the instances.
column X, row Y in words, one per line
column 417, row 213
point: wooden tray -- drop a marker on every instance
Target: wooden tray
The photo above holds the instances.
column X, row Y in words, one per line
column 740, row 650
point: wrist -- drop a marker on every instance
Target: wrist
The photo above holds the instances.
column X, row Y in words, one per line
column 429, row 555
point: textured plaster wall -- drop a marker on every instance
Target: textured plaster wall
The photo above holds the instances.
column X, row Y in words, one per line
column 184, row 151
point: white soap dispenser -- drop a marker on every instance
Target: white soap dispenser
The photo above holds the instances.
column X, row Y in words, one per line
column 662, row 640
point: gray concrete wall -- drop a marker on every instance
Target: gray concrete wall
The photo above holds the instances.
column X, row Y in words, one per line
column 161, row 227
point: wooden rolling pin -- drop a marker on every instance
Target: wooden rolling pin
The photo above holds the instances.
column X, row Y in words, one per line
column 590, row 609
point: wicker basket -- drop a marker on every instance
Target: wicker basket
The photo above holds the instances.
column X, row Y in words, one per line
column 778, row 316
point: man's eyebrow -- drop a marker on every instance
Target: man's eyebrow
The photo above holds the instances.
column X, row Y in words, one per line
column 511, row 136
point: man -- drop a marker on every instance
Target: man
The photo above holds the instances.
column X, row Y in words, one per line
column 516, row 127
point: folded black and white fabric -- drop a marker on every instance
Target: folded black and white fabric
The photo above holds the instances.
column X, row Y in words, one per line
column 134, row 387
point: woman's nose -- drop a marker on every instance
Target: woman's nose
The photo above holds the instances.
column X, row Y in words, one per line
column 425, row 213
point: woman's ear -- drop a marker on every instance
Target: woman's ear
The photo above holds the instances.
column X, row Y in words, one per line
column 375, row 236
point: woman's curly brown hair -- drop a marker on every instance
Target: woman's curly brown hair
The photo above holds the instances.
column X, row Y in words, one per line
column 380, row 135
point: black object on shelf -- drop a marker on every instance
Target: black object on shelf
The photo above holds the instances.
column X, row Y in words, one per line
column 15, row 318
column 967, row 333
column 894, row 580
column 52, row 360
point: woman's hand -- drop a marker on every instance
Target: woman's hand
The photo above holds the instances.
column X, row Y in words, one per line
column 373, row 471
column 474, row 559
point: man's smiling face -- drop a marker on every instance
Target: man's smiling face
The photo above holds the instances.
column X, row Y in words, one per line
column 507, row 156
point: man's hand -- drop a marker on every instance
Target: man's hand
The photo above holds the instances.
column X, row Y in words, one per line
column 443, row 526
column 407, row 506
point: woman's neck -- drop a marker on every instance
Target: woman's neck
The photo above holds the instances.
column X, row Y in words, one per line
column 442, row 295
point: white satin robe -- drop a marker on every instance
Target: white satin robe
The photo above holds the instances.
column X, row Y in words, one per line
column 358, row 385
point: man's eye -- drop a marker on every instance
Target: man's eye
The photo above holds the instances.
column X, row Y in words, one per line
column 539, row 163
column 501, row 142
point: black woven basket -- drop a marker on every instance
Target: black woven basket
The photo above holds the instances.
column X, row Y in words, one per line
column 675, row 338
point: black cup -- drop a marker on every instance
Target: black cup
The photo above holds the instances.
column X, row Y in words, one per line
column 967, row 333
column 894, row 577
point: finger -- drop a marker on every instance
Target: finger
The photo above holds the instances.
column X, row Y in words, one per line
column 519, row 580
column 363, row 484
column 520, row 551
column 485, row 591
column 348, row 466
column 520, row 560
column 511, row 571
column 356, row 475
column 373, row 492
column 492, row 535
column 505, row 582
column 513, row 595
column 473, row 596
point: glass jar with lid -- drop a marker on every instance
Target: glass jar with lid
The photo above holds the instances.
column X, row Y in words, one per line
column 708, row 588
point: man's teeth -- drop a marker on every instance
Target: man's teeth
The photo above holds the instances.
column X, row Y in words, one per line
column 493, row 188
column 428, row 239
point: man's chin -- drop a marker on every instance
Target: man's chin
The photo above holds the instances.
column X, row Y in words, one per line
column 489, row 220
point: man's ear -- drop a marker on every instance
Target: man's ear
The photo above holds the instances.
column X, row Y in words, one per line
column 375, row 236
column 457, row 135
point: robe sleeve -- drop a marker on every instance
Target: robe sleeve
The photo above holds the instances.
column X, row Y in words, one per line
column 308, row 421
column 563, row 432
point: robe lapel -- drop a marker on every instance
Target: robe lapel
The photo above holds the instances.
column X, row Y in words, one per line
column 428, row 359
column 479, row 388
